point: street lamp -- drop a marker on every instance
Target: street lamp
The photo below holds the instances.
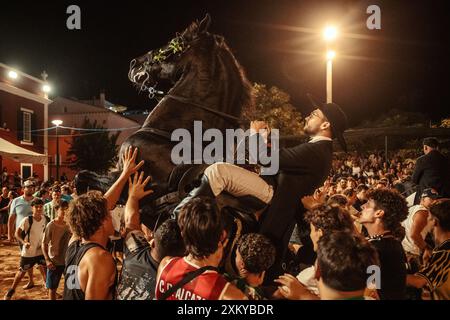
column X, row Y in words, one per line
column 12, row 74
column 57, row 123
column 46, row 88
column 330, row 34
column 330, row 56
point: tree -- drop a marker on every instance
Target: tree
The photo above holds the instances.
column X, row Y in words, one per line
column 273, row 106
column 445, row 123
column 93, row 149
column 397, row 118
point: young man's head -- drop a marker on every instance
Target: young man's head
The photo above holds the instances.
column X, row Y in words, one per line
column 328, row 120
column 5, row 191
column 255, row 254
column 350, row 194
column 386, row 209
column 60, row 208
column 343, row 259
column 328, row 218
column 316, row 123
column 440, row 216
column 430, row 144
column 338, row 199
column 37, row 206
column 167, row 241
column 202, row 227
column 351, row 183
column 361, row 191
column 65, row 189
column 56, row 194
column 428, row 197
column 342, row 183
column 28, row 188
column 88, row 214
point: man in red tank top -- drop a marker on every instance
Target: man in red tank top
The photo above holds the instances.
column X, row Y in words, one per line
column 203, row 231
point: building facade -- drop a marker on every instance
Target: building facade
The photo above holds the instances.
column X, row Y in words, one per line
column 23, row 123
column 72, row 113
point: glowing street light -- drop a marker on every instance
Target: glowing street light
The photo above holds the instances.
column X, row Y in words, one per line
column 331, row 54
column 46, row 88
column 57, row 123
column 12, row 74
column 330, row 33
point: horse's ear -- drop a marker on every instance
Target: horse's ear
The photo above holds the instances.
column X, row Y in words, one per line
column 204, row 24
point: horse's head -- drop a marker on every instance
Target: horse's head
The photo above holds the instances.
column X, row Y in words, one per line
column 168, row 61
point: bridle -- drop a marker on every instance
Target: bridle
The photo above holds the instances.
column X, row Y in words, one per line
column 177, row 46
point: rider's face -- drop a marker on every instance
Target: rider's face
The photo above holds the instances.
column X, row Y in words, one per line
column 313, row 122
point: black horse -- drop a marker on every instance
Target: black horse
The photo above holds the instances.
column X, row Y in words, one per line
column 209, row 85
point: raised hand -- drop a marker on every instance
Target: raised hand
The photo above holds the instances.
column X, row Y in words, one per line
column 129, row 161
column 136, row 186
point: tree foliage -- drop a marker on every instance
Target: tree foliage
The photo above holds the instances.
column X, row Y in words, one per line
column 93, row 149
column 397, row 118
column 273, row 106
column 445, row 123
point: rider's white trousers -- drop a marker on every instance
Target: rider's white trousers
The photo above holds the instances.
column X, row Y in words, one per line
column 237, row 181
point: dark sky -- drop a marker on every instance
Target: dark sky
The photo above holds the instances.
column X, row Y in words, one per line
column 403, row 65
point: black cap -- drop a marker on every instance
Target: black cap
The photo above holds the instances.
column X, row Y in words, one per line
column 431, row 193
column 337, row 118
column 431, row 142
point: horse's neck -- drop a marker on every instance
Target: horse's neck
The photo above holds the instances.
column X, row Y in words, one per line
column 217, row 86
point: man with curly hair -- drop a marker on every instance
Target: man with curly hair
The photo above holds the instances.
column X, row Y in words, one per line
column 255, row 254
column 90, row 271
column 382, row 216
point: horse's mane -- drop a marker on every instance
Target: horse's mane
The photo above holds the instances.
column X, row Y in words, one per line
column 245, row 97
column 215, row 63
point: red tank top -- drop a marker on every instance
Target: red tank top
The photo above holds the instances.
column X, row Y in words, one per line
column 208, row 286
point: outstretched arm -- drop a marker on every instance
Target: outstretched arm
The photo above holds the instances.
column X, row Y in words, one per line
column 129, row 167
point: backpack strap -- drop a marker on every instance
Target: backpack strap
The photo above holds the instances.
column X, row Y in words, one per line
column 187, row 278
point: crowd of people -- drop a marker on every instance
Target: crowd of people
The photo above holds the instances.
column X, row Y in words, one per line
column 328, row 226
column 358, row 219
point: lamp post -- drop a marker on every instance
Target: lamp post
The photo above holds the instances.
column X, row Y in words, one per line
column 330, row 34
column 57, row 123
column 330, row 56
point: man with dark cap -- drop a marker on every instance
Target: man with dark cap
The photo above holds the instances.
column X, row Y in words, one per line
column 302, row 169
column 432, row 170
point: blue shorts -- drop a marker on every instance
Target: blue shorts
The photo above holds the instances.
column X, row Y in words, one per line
column 53, row 277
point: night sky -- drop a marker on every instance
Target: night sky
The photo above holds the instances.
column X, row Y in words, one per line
column 404, row 65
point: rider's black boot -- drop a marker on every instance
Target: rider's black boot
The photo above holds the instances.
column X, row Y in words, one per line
column 203, row 190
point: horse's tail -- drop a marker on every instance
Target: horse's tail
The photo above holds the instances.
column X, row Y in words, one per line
column 87, row 180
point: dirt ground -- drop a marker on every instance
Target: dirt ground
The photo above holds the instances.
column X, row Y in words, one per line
column 9, row 264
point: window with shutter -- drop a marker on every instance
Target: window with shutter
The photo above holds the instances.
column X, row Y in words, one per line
column 27, row 127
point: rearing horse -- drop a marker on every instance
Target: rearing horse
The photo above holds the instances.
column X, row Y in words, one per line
column 209, row 86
